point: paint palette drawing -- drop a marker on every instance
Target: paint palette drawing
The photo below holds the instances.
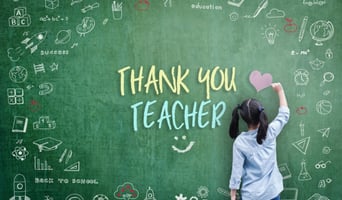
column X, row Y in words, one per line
column 47, row 144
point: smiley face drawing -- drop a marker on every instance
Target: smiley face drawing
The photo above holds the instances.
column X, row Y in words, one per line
column 186, row 149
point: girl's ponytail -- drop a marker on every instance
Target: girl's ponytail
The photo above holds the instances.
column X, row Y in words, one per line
column 263, row 125
column 234, row 124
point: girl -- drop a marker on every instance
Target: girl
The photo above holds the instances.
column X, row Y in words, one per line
column 254, row 151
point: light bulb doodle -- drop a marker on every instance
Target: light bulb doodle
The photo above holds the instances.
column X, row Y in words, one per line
column 270, row 33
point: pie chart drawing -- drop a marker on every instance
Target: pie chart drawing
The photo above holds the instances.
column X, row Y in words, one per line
column 323, row 107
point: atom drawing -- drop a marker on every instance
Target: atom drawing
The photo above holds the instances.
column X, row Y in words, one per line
column 20, row 153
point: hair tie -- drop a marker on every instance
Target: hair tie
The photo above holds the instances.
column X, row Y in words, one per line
column 261, row 109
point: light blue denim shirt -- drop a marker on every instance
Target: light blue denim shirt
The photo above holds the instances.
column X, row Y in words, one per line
column 256, row 165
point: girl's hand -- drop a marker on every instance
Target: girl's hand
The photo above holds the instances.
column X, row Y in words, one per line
column 277, row 87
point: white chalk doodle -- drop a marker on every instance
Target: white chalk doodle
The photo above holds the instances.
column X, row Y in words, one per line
column 90, row 7
column 302, row 145
column 19, row 188
column 59, row 52
column 15, row 96
column 149, row 194
column 18, row 74
column 20, row 18
column 180, row 197
column 302, row 28
column 74, row 196
column 314, row 2
column 301, row 77
column 66, row 156
column 47, row 197
column 300, row 52
column 322, row 164
column 14, row 54
column 63, row 36
column 73, row 2
column 323, row 182
column 270, row 33
column 329, row 54
column 304, row 174
column 33, row 42
column 321, row 31
column 275, row 13
column 236, row 3
column 186, row 149
column 327, row 78
column 19, row 124
column 289, row 194
column 167, row 3
column 100, row 197
column 86, row 26
column 326, row 150
column 323, row 107
column 262, row 5
column 51, row 4
column 317, row 64
column 325, row 132
column 285, row 171
column 301, row 128
column 54, row 18
column 45, row 88
column 75, row 167
column 44, row 123
column 53, row 67
column 47, row 144
column 74, row 45
column 39, row 68
column 317, row 196
column 20, row 153
column 117, row 10
column 234, row 16
column 39, row 165
column 203, row 192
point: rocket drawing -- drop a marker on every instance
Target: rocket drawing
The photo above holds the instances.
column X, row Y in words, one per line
column 33, row 42
column 19, row 188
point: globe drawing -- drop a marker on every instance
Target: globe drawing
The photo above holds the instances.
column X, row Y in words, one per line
column 321, row 31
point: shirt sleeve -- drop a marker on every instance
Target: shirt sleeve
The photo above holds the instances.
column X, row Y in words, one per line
column 275, row 127
column 237, row 168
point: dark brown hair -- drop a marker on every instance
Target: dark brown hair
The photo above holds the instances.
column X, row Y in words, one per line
column 252, row 112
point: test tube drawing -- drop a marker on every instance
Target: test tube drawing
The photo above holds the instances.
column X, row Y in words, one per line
column 301, row 126
column 117, row 10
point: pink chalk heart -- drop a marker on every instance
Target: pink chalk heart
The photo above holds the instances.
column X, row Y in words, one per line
column 260, row 81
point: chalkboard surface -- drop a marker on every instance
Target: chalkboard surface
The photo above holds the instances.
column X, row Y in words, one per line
column 132, row 99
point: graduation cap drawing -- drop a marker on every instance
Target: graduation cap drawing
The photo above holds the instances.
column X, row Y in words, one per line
column 47, row 144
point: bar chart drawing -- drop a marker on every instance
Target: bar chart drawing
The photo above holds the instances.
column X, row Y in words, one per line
column 41, row 165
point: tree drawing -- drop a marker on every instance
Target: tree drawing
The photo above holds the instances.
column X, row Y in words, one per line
column 126, row 191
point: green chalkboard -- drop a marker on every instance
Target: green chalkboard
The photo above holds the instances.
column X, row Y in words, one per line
column 131, row 99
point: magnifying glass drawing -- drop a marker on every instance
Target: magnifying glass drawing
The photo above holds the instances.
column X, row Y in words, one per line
column 327, row 78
